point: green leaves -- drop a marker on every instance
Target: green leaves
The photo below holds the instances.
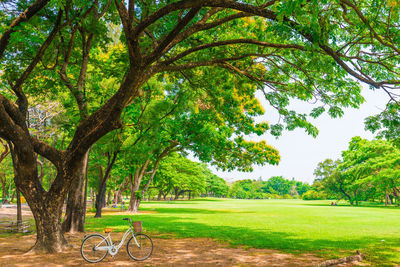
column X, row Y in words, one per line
column 316, row 112
column 368, row 170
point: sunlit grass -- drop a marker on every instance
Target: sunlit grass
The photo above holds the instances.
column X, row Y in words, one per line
column 294, row 226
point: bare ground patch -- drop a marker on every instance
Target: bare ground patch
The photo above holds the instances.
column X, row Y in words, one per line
column 167, row 252
column 11, row 213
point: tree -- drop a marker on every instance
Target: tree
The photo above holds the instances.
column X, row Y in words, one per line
column 179, row 175
column 368, row 170
column 366, row 163
column 327, row 183
column 216, row 186
column 290, row 47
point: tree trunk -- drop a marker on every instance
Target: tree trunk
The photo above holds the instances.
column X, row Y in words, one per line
column 46, row 207
column 159, row 195
column 344, row 193
column 176, row 193
column 101, row 196
column 119, row 196
column 19, row 210
column 108, row 198
column 396, row 195
column 50, row 237
column 153, row 173
column 74, row 219
column 355, row 197
column 92, row 196
column 135, row 183
column 4, row 187
column 12, row 196
column 115, row 199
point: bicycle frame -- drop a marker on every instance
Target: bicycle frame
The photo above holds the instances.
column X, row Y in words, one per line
column 113, row 249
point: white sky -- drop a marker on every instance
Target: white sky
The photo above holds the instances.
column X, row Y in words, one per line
column 300, row 153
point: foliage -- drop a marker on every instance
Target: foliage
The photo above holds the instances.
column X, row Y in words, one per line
column 275, row 187
column 386, row 124
column 368, row 170
column 314, row 195
column 179, row 175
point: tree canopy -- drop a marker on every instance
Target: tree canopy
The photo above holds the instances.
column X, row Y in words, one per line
column 368, row 170
column 71, row 52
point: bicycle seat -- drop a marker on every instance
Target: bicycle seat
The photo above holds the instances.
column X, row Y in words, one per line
column 108, row 230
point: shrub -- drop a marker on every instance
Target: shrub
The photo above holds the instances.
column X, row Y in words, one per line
column 314, row 195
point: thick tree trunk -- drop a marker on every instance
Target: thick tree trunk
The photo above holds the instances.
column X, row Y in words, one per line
column 159, row 195
column 46, row 209
column 134, row 205
column 74, row 219
column 50, row 237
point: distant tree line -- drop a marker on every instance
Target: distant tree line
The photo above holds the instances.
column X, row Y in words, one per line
column 366, row 171
column 275, row 187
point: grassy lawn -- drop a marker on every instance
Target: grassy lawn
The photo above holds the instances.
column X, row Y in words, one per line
column 288, row 225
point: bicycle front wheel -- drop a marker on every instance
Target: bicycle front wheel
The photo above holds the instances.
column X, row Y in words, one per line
column 94, row 248
column 140, row 249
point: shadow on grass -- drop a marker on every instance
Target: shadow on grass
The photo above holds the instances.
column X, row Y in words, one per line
column 375, row 250
column 193, row 211
column 183, row 201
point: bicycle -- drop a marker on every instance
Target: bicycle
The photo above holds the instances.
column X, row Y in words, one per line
column 95, row 247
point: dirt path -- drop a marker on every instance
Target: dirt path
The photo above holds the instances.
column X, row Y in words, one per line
column 10, row 213
column 167, row 252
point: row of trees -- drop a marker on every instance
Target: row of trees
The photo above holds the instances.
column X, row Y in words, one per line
column 158, row 77
column 367, row 171
column 275, row 187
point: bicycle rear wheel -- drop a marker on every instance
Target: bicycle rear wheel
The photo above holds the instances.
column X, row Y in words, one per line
column 141, row 252
column 90, row 248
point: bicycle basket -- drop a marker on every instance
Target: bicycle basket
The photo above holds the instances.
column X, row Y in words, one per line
column 137, row 226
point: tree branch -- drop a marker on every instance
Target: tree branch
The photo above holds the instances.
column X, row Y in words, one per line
column 160, row 49
column 230, row 42
column 24, row 16
column 22, row 101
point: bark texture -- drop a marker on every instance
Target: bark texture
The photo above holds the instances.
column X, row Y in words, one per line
column 75, row 213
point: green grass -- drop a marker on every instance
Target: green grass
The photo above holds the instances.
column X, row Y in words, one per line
column 293, row 226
